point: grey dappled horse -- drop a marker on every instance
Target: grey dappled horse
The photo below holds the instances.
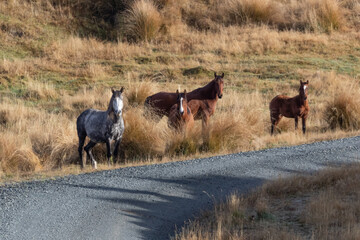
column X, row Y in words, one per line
column 101, row 127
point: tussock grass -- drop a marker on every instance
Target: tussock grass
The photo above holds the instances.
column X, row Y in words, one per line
column 181, row 144
column 245, row 11
column 79, row 49
column 143, row 139
column 16, row 156
column 141, row 22
column 241, row 122
column 342, row 108
column 343, row 112
column 95, row 98
column 36, row 90
column 137, row 92
column 50, row 72
column 321, row 206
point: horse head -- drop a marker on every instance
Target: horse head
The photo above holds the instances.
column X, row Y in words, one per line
column 303, row 90
column 219, row 85
column 116, row 102
column 182, row 103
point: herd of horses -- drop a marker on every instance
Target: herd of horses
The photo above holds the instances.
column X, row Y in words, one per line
column 182, row 109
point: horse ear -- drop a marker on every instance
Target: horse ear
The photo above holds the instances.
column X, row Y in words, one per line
column 177, row 91
column 113, row 91
column 122, row 89
column 307, row 82
column 222, row 75
column 215, row 74
column 185, row 94
column 301, row 82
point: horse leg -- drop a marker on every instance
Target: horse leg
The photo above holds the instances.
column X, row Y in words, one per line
column 303, row 124
column 205, row 127
column 108, row 150
column 80, row 149
column 274, row 122
column 116, row 150
column 272, row 125
column 296, row 122
column 88, row 148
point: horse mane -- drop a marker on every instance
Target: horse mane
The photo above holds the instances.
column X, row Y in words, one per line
column 110, row 106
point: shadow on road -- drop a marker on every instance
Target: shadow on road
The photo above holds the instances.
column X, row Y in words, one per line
column 165, row 204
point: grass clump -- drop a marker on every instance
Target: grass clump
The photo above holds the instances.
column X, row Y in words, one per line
column 16, row 156
column 138, row 92
column 141, row 22
column 143, row 138
column 247, row 11
column 342, row 110
column 330, row 15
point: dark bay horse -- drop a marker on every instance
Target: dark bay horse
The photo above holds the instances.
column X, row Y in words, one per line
column 161, row 102
column 101, row 127
column 180, row 116
column 294, row 107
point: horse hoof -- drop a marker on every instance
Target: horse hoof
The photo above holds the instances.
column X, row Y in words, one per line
column 95, row 165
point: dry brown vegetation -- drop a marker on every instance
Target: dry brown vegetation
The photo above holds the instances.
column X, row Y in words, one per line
column 324, row 205
column 60, row 57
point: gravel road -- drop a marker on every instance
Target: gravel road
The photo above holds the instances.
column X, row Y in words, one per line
column 147, row 202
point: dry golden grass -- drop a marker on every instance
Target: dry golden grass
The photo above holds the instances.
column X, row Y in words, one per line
column 36, row 90
column 306, row 15
column 143, row 138
column 245, row 11
column 78, row 49
column 50, row 73
column 137, row 92
column 321, row 206
column 17, row 156
column 141, row 21
column 241, row 123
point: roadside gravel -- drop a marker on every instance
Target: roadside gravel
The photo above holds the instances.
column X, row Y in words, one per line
column 147, row 202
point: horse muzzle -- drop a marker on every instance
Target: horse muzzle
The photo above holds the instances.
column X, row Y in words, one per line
column 220, row 95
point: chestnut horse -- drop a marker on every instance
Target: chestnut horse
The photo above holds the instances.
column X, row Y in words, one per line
column 180, row 116
column 294, row 107
column 203, row 110
column 161, row 102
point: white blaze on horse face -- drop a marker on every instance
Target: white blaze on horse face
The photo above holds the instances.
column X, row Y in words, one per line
column 118, row 105
column 305, row 87
column 181, row 106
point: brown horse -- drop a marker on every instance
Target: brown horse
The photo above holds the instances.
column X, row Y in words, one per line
column 294, row 107
column 203, row 110
column 162, row 102
column 180, row 117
